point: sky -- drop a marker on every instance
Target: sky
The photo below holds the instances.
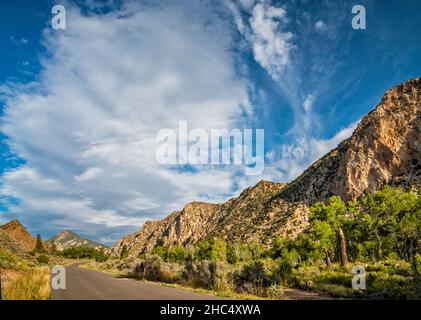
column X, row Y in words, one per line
column 80, row 108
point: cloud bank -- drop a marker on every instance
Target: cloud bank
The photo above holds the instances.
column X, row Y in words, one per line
column 86, row 130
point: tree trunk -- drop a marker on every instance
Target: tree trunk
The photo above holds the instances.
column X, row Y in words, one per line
column 379, row 247
column 328, row 260
column 342, row 245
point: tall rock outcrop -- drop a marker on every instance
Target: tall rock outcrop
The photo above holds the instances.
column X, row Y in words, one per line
column 385, row 148
column 16, row 231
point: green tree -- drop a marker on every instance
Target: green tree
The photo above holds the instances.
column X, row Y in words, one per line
column 327, row 219
column 214, row 250
column 124, row 252
column 232, row 255
column 39, row 247
column 161, row 251
column 390, row 220
column 53, row 249
column 176, row 253
column 219, row 250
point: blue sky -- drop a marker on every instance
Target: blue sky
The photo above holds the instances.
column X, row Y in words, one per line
column 80, row 107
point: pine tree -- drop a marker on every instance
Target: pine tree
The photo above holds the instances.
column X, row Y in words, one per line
column 39, row 247
column 53, row 248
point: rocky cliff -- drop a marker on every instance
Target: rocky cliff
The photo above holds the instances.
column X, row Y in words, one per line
column 16, row 231
column 384, row 149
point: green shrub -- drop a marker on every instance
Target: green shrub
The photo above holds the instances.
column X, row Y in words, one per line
column 275, row 291
column 171, row 272
column 282, row 271
column 160, row 251
column 43, row 259
column 149, row 269
column 176, row 253
column 252, row 279
column 206, row 274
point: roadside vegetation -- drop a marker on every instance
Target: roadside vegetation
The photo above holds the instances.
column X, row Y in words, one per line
column 84, row 253
column 33, row 284
column 24, row 276
column 380, row 233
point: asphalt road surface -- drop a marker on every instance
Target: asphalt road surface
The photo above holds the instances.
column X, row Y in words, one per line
column 83, row 284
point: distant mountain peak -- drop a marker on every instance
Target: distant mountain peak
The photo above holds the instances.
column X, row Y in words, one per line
column 66, row 239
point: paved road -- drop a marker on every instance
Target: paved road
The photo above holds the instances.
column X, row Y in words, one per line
column 83, row 284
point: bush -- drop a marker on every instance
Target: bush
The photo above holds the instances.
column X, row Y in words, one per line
column 282, row 271
column 43, row 259
column 7, row 260
column 161, row 251
column 207, row 274
column 275, row 291
column 176, row 253
column 253, row 279
column 149, row 269
column 232, row 256
column 171, row 272
column 417, row 263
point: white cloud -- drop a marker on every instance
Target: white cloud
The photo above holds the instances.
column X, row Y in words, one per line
column 236, row 13
column 294, row 158
column 87, row 129
column 320, row 25
column 247, row 4
column 270, row 45
column 299, row 63
column 308, row 103
column 19, row 41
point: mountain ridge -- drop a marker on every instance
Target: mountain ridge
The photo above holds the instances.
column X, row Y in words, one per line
column 66, row 239
column 383, row 149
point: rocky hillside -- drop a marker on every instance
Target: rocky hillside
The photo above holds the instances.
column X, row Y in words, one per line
column 10, row 245
column 188, row 225
column 68, row 239
column 384, row 148
column 16, row 231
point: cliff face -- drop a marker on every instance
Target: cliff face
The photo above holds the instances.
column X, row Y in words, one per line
column 186, row 226
column 386, row 145
column 16, row 231
column 384, row 148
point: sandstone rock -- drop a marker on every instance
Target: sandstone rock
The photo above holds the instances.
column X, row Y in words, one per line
column 16, row 231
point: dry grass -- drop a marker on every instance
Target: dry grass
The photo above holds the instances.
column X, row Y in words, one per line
column 31, row 285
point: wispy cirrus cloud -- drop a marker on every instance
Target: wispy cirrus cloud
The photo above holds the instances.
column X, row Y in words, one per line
column 287, row 41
